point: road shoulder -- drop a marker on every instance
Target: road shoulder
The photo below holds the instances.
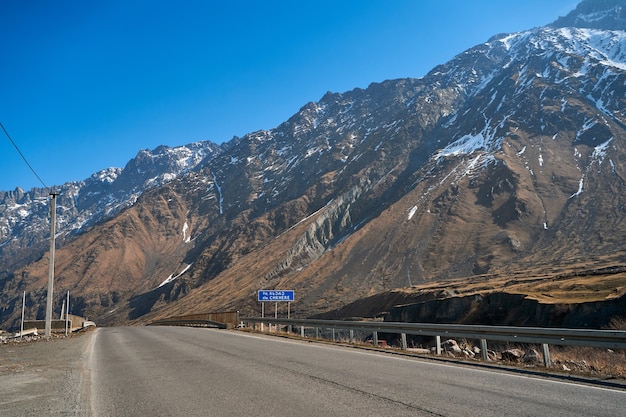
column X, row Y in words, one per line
column 46, row 377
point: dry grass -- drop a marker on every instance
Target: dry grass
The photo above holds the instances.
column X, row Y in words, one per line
column 603, row 363
column 573, row 360
column 548, row 289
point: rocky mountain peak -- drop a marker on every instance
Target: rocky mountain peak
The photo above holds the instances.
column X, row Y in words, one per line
column 596, row 14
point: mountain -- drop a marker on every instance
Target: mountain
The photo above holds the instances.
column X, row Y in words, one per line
column 500, row 167
column 598, row 14
column 24, row 216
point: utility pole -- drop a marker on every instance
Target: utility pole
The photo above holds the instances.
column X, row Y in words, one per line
column 53, row 217
column 67, row 314
column 22, row 322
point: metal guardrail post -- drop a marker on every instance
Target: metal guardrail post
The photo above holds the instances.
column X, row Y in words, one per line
column 403, row 341
column 301, row 331
column 375, row 338
column 546, row 355
column 438, row 342
column 317, row 332
column 483, row 349
column 352, row 336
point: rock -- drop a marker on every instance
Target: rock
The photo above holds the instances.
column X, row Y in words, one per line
column 531, row 357
column 512, row 355
column 452, row 346
column 449, row 342
column 468, row 353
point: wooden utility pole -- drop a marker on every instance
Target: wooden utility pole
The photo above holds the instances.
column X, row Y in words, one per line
column 53, row 216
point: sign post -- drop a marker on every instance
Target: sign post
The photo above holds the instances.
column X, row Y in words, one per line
column 265, row 296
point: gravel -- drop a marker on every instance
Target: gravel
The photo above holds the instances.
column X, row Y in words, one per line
column 45, row 376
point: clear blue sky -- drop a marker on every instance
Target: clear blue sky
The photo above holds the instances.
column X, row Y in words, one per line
column 84, row 85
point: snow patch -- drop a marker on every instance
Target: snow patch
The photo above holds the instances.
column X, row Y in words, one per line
column 468, row 144
column 172, row 277
column 186, row 238
column 599, row 152
column 580, row 188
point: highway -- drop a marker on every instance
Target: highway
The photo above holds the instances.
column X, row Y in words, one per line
column 175, row 371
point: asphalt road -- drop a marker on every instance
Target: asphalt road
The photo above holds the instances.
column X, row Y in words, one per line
column 173, row 371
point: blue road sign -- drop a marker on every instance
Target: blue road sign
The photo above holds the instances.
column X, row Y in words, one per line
column 276, row 295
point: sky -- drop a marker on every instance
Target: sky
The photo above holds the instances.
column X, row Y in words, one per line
column 85, row 85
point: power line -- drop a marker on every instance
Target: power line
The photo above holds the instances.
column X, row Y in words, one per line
column 23, row 157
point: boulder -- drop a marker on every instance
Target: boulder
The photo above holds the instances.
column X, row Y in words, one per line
column 531, row 357
column 452, row 346
column 512, row 355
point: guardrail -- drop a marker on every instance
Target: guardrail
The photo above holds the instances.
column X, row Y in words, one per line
column 609, row 339
column 219, row 319
column 189, row 323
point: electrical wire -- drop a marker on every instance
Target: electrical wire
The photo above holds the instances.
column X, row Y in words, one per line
column 23, row 157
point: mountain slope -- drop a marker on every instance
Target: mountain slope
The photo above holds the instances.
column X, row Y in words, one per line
column 508, row 158
column 24, row 216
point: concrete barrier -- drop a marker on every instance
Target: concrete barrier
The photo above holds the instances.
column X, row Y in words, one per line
column 57, row 326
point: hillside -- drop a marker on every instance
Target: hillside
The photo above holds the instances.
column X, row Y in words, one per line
column 503, row 165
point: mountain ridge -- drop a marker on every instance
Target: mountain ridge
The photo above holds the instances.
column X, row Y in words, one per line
column 85, row 203
column 506, row 157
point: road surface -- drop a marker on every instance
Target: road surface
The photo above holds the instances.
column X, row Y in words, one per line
column 174, row 371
